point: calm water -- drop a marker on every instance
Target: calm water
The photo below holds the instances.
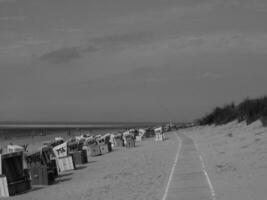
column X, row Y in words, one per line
column 22, row 129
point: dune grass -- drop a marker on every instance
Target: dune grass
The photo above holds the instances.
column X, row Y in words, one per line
column 248, row 110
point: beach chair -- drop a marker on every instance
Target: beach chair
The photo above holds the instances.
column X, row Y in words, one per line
column 65, row 164
column 149, row 133
column 138, row 138
column 14, row 148
column 118, row 140
column 130, row 141
column 112, row 140
column 49, row 159
column 159, row 136
column 63, row 160
column 13, row 174
column 108, row 142
column 104, row 149
column 75, row 149
column 92, row 148
column 79, row 157
column 141, row 134
column 41, row 172
column 103, row 143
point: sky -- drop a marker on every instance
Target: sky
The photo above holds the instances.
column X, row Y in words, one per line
column 129, row 60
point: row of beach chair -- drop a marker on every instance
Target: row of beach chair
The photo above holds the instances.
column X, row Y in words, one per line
column 20, row 170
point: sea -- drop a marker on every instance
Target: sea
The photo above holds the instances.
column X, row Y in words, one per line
column 21, row 129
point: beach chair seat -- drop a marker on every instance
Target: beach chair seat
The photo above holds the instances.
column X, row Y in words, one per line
column 118, row 142
column 109, row 146
column 79, row 157
column 104, row 149
column 41, row 170
column 41, row 175
column 65, row 164
column 49, row 159
column 93, row 150
column 138, row 138
column 19, row 187
column 130, row 142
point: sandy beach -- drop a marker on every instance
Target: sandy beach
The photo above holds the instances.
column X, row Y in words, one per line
column 236, row 158
column 136, row 173
column 234, row 155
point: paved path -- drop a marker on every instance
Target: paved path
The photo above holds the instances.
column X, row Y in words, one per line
column 189, row 179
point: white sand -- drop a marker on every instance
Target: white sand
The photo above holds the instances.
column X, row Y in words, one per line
column 236, row 157
column 136, row 173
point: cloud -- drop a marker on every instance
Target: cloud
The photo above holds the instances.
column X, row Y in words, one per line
column 210, row 75
column 133, row 38
column 243, row 3
column 14, row 18
column 62, row 55
column 69, row 30
column 67, row 54
column 106, row 42
column 7, row 1
column 33, row 42
column 204, row 43
column 168, row 14
column 10, row 47
column 89, row 49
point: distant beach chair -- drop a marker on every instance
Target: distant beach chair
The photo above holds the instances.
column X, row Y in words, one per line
column 159, row 135
column 14, row 148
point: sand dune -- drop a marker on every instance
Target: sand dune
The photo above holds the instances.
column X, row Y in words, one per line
column 236, row 156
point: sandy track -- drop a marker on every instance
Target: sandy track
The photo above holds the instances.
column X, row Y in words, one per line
column 236, row 159
column 136, row 173
column 189, row 180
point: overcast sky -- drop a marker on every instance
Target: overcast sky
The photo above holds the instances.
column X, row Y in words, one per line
column 129, row 60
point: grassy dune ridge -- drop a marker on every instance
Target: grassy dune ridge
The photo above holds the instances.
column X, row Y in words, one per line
column 248, row 110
